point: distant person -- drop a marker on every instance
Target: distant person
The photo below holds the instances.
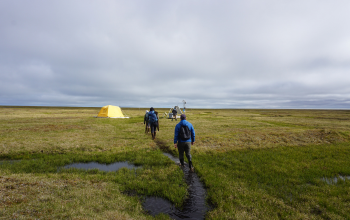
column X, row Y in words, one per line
column 183, row 139
column 153, row 120
column 146, row 121
column 174, row 114
column 184, row 110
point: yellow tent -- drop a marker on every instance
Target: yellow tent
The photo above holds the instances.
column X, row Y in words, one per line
column 111, row 111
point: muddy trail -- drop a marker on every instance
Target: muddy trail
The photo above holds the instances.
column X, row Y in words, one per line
column 194, row 206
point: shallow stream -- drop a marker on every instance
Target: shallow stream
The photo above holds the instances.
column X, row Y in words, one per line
column 194, row 206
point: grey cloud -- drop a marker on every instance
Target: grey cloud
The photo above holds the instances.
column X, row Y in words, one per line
column 142, row 53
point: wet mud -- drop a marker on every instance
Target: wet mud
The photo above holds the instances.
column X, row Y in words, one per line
column 103, row 167
column 194, row 206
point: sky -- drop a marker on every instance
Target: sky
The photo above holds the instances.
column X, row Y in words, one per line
column 212, row 54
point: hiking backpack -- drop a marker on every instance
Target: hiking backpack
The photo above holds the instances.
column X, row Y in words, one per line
column 152, row 117
column 184, row 133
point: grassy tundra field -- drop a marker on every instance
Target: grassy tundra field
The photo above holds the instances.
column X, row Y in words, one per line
column 255, row 164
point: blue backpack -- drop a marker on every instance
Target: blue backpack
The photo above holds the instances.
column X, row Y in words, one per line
column 152, row 117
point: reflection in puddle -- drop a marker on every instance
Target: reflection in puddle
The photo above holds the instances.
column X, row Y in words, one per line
column 335, row 179
column 194, row 206
column 171, row 157
column 103, row 167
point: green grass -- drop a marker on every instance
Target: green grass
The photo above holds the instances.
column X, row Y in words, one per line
column 256, row 164
column 280, row 182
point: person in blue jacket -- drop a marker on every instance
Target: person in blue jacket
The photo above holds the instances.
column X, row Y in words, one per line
column 153, row 122
column 184, row 145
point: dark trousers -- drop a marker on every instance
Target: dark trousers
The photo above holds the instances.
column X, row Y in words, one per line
column 174, row 116
column 154, row 126
column 184, row 147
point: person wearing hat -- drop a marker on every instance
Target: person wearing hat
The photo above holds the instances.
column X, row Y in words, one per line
column 153, row 120
column 183, row 139
column 146, row 121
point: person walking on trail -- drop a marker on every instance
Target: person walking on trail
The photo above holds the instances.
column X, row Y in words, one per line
column 153, row 120
column 146, row 121
column 183, row 139
column 174, row 114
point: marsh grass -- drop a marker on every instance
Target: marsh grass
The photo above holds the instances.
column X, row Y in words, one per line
column 158, row 176
column 280, row 182
column 63, row 196
column 256, row 164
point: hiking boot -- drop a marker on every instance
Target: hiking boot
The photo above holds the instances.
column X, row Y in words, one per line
column 190, row 166
column 182, row 163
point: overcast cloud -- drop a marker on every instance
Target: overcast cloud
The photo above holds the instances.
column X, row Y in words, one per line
column 213, row 54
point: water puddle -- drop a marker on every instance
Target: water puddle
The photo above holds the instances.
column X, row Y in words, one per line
column 194, row 206
column 9, row 161
column 334, row 180
column 103, row 167
column 171, row 157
